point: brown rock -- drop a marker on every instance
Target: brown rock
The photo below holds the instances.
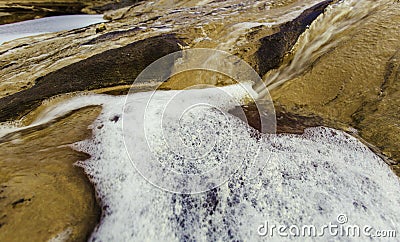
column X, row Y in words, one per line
column 21, row 10
column 356, row 83
column 42, row 194
column 111, row 68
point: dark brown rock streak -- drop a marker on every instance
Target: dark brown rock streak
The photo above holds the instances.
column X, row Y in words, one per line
column 114, row 67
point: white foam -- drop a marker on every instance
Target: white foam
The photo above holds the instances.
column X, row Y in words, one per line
column 309, row 179
column 62, row 236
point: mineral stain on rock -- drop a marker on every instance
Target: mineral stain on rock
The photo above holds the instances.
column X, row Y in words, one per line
column 274, row 47
column 111, row 68
column 120, row 66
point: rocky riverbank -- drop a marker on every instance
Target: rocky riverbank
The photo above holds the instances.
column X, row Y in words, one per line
column 117, row 55
column 107, row 61
column 43, row 195
column 15, row 11
column 356, row 84
column 353, row 87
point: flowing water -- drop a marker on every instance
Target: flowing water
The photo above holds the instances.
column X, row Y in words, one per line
column 308, row 179
column 13, row 31
column 317, row 178
column 324, row 34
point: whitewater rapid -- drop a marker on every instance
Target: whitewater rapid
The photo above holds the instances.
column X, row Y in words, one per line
column 308, row 179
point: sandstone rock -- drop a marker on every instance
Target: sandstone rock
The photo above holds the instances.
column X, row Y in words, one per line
column 15, row 11
column 353, row 85
column 274, row 47
column 100, row 28
column 42, row 194
column 111, row 68
column 88, row 61
column 37, row 68
column 286, row 122
column 356, row 83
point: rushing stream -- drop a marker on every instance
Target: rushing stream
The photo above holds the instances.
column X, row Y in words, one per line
column 323, row 178
column 325, row 33
column 318, row 178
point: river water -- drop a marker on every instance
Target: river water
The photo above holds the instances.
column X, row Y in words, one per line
column 323, row 35
column 320, row 178
column 13, row 31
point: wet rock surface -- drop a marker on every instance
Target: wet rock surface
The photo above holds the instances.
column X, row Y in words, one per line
column 274, row 47
column 356, row 84
column 36, row 71
column 286, row 122
column 15, row 11
column 104, row 59
column 42, row 194
column 110, row 68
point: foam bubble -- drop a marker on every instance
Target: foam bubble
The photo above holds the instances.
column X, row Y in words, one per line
column 306, row 179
